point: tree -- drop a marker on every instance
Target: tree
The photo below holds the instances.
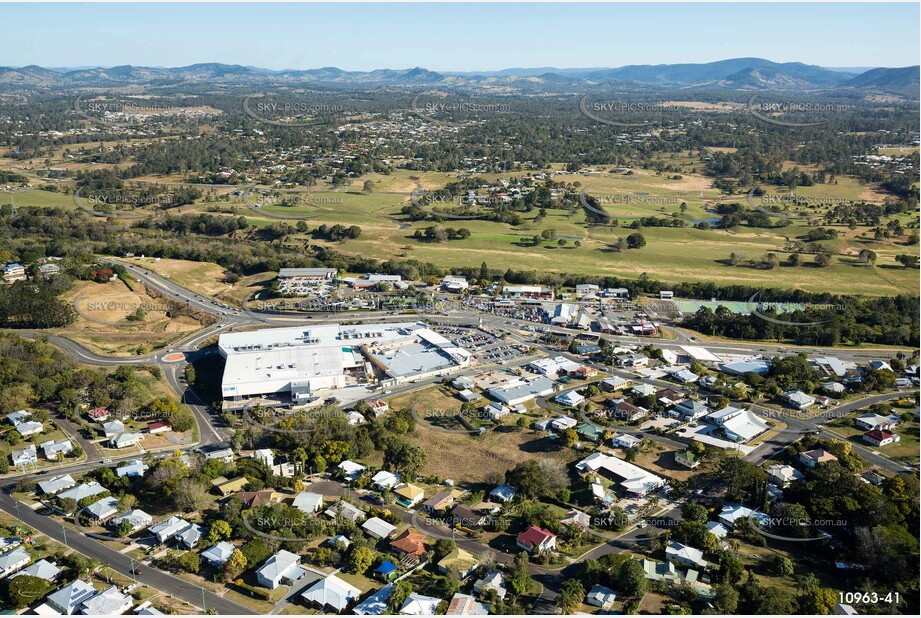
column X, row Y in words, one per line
column 731, row 569
column 725, row 599
column 822, row 259
column 126, row 503
column 571, row 594
column 368, row 186
column 219, row 531
column 528, row 478
column 694, row 512
column 401, row 590
column 235, row 565
column 636, row 241
column 570, row 437
column 442, row 548
column 360, row 559
column 632, row 579
column 781, row 565
column 404, row 458
column 189, row 562
column 25, row 590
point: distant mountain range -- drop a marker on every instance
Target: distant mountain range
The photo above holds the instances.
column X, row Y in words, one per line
column 733, row 74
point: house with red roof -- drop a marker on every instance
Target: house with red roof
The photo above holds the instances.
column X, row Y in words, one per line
column 410, row 544
column 536, row 540
column 99, row 414
column 880, row 437
column 159, row 427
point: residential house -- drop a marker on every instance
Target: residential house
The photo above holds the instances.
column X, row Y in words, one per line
column 345, row 510
column 569, row 398
column 684, row 555
column 55, row 449
column 409, row 544
column 17, row 417
column 83, row 491
column 14, row 272
column 689, row 410
column 460, row 562
column 377, row 528
column 99, row 415
column 109, row 602
column 30, row 428
column 223, row 454
column 103, row 509
column 56, row 484
column 379, row 407
column 68, row 599
column 331, row 592
column 536, row 540
column 502, row 493
column 879, row 437
column 563, row 423
column 226, row 487
column 11, row 562
column 419, row 605
column 494, row 411
column 874, row 421
column 466, row 605
column 282, row 568
column 687, row 459
column 439, row 502
column 132, row 469
column 625, row 441
column 308, row 502
column 614, row 383
column 42, row 569
column 493, row 580
column 463, row 516
column 577, row 518
column 136, row 517
column 190, row 537
column 253, row 499
column 731, row 513
column 351, row 470
column 812, row 458
column 601, row 596
column 125, row 440
column 625, row 411
column 784, row 475
column 409, row 495
column 385, row 480
column 167, row 529
column 113, row 428
column 798, row 399
column 158, row 427
column 376, row 604
column 218, row 554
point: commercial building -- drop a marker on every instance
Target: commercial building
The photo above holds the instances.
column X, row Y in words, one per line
column 300, row 361
column 632, row 478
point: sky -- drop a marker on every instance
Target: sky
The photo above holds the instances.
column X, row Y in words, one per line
column 456, row 37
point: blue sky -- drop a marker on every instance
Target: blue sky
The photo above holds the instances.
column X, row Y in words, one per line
column 456, row 37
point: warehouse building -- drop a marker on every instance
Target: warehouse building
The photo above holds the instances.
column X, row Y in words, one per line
column 304, row 360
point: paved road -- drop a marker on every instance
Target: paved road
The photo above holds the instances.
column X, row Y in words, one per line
column 158, row 580
column 799, row 425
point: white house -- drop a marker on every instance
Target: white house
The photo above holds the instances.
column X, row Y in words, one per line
column 67, row 599
column 11, row 562
column 385, row 480
column 378, row 528
column 685, row 555
column 419, row 605
column 351, row 470
column 784, row 475
column 308, row 502
column 218, row 554
column 625, row 440
column 569, row 398
column 167, row 529
column 136, row 517
column 732, row 513
column 601, row 596
column 109, row 602
column 873, row 421
column 282, row 568
column 331, row 592
column 798, row 399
